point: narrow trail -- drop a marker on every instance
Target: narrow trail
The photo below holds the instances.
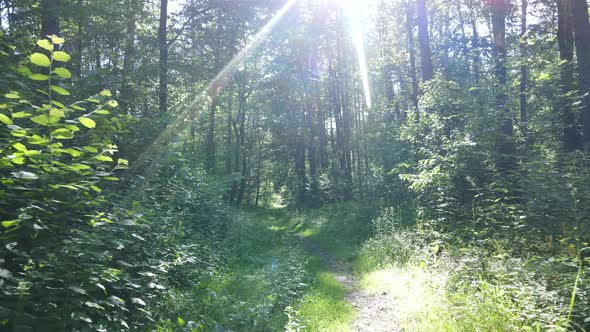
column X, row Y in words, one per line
column 374, row 312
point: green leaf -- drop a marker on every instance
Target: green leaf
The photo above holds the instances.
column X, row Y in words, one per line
column 112, row 103
column 56, row 113
column 38, row 77
column 62, row 72
column 62, row 133
column 80, row 167
column 58, row 104
column 122, row 161
column 18, row 133
column 103, row 158
column 106, row 93
column 61, row 56
column 20, row 115
column 77, row 108
column 4, row 119
column 46, row 44
column 90, row 149
column 102, row 112
column 95, row 188
column 36, row 140
column 87, row 122
column 60, row 90
column 181, row 322
column 9, row 223
column 12, row 95
column 43, row 120
column 24, row 70
column 19, row 147
column 18, row 160
column 57, row 40
column 40, row 60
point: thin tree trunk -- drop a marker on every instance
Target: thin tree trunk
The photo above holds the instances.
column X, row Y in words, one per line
column 504, row 143
column 412, row 53
column 163, row 43
column 475, row 49
column 565, row 38
column 582, row 40
column 49, row 18
column 523, row 65
column 129, row 53
column 424, row 41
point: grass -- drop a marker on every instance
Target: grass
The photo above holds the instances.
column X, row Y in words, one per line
column 459, row 290
column 324, row 306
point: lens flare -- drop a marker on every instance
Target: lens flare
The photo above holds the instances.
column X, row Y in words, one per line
column 216, row 85
column 353, row 11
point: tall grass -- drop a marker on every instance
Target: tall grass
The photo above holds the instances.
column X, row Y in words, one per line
column 441, row 286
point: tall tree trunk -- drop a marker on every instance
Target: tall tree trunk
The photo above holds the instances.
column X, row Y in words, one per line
column 210, row 158
column 128, row 55
column 504, row 143
column 77, row 62
column 424, row 40
column 163, row 43
column 523, row 65
column 49, row 18
column 565, row 38
column 410, row 23
column 582, row 40
column 475, row 50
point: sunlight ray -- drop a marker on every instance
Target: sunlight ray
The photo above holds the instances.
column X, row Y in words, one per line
column 216, row 85
column 353, row 10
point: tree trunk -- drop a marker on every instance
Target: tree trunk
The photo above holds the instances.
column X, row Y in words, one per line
column 129, row 53
column 475, row 51
column 504, row 143
column 582, row 40
column 523, row 65
column 49, row 18
column 163, row 43
column 565, row 38
column 424, row 40
column 210, row 160
column 412, row 53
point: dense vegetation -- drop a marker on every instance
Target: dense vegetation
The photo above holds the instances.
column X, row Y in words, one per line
column 166, row 165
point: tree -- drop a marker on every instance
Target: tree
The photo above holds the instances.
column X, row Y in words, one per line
column 424, row 40
column 163, row 63
column 50, row 18
column 504, row 144
column 565, row 37
column 581, row 26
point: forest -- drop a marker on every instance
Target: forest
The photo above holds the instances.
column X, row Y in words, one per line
column 294, row 165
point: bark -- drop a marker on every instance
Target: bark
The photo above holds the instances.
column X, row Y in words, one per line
column 210, row 160
column 582, row 40
column 475, row 51
column 412, row 53
column 50, row 18
column 523, row 66
column 424, row 40
column 129, row 54
column 504, row 143
column 163, row 64
column 565, row 38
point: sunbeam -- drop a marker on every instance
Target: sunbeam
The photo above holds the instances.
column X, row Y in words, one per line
column 353, row 11
column 216, row 85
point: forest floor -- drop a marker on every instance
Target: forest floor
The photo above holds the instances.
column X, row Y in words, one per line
column 375, row 312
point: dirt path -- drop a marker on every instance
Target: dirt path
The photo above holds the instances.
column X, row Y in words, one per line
column 375, row 312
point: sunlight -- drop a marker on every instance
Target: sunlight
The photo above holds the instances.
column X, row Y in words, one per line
column 216, row 85
column 353, row 10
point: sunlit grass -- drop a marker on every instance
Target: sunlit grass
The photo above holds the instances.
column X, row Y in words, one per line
column 324, row 307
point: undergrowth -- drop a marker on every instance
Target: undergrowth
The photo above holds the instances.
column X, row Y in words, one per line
column 442, row 284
